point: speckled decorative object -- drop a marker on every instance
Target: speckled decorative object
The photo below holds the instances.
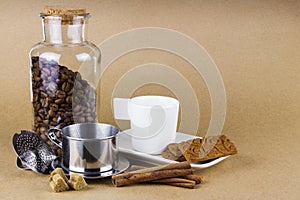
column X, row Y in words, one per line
column 34, row 153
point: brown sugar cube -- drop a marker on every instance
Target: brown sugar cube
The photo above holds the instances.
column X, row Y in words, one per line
column 77, row 182
column 60, row 172
column 58, row 184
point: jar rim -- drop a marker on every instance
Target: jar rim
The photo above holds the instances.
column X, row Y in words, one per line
column 85, row 15
column 60, row 10
column 69, row 19
column 65, row 15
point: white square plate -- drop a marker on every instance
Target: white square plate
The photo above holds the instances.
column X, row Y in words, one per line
column 127, row 150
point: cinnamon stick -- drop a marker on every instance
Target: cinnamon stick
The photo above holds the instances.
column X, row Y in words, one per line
column 173, row 180
column 181, row 165
column 130, row 178
column 136, row 167
column 152, row 173
column 197, row 178
column 184, row 185
column 179, row 182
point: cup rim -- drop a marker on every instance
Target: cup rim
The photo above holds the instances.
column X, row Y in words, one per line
column 172, row 101
column 117, row 131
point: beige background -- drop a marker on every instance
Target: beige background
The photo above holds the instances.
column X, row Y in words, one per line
column 255, row 45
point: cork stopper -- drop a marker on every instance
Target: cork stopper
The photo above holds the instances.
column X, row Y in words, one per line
column 67, row 15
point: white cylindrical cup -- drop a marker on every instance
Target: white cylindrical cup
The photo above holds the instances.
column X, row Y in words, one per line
column 153, row 121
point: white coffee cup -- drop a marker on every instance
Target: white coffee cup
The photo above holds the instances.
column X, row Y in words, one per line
column 153, row 121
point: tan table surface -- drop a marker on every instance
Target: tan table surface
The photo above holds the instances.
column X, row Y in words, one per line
column 256, row 46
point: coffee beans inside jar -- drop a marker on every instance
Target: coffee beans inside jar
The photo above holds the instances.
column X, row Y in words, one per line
column 60, row 97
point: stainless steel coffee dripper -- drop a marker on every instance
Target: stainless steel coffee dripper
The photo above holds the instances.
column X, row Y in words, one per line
column 88, row 148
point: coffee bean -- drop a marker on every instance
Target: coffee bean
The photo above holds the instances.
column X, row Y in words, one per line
column 60, row 98
column 59, row 152
column 60, row 94
column 69, row 99
column 52, row 87
column 60, row 113
column 58, row 134
column 44, row 102
column 49, row 143
column 66, row 87
column 36, row 106
column 59, row 81
column 50, row 78
column 53, row 123
column 63, row 77
column 37, row 78
column 39, row 119
column 59, row 101
column 51, row 94
column 41, row 112
column 43, row 94
column 35, row 98
column 43, row 129
column 54, row 107
column 76, row 100
column 80, row 112
column 76, row 109
column 43, row 137
column 80, row 94
column 64, row 106
column 62, row 124
column 44, row 76
column 90, row 119
column 51, row 113
column 46, row 71
column 67, row 120
column 54, row 119
column 78, row 85
column 81, row 120
column 71, row 81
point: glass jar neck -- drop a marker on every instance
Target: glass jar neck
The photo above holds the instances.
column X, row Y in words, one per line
column 58, row 30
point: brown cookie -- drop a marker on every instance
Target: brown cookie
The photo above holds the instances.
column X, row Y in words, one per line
column 173, row 148
column 211, row 148
column 190, row 149
column 181, row 159
column 184, row 146
column 168, row 155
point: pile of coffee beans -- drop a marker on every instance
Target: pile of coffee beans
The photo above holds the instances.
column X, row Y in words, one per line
column 60, row 97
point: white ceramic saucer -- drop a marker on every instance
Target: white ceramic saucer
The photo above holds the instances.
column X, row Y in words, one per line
column 126, row 149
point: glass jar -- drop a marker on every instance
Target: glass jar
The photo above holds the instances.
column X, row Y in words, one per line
column 63, row 68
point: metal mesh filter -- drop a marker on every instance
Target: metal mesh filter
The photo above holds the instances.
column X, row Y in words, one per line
column 33, row 151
